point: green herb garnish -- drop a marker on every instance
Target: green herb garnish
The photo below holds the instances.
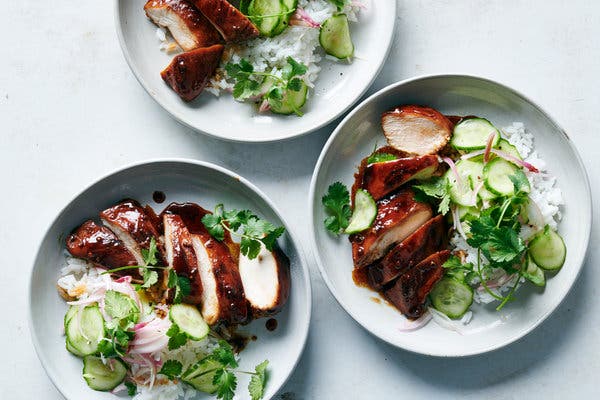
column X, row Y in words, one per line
column 436, row 188
column 266, row 86
column 243, row 223
column 337, row 205
column 171, row 369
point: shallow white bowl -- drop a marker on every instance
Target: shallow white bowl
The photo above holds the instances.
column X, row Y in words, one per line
column 355, row 138
column 339, row 85
column 180, row 180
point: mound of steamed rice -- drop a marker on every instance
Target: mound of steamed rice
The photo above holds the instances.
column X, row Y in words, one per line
column 544, row 192
column 79, row 279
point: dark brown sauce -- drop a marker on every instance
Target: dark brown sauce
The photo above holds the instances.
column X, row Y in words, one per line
column 376, row 300
column 271, row 324
column 158, row 196
column 360, row 277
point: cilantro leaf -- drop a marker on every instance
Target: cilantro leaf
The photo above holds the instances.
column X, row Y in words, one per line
column 519, row 181
column 171, row 369
column 436, row 188
column 455, row 268
column 150, row 253
column 298, row 69
column 339, row 4
column 256, row 387
column 176, row 337
column 254, row 229
column 224, row 354
column 121, row 308
column 150, row 278
column 380, row 157
column 131, row 388
column 226, row 383
column 337, row 204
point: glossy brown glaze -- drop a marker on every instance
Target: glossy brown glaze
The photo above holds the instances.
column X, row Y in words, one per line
column 158, row 196
column 426, row 240
column 101, row 246
column 271, row 324
column 383, row 178
column 359, row 175
column 131, row 219
column 232, row 305
column 228, row 20
column 189, row 72
column 398, row 216
column 187, row 24
column 409, row 292
column 181, row 256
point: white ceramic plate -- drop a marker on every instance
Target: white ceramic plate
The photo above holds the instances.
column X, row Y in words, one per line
column 356, row 136
column 339, row 85
column 181, row 181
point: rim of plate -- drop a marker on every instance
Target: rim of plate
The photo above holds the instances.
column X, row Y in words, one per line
column 243, row 181
column 213, row 133
column 311, row 205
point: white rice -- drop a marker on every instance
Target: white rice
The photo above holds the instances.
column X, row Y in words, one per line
column 544, row 193
column 80, row 278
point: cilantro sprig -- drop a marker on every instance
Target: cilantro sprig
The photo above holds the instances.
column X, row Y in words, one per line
column 337, row 205
column 180, row 284
column 436, row 189
column 252, row 229
column 224, row 374
column 266, row 86
column 124, row 314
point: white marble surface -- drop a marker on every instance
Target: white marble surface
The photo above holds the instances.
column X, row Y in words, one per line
column 70, row 111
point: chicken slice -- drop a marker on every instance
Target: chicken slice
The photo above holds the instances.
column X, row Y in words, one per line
column 223, row 293
column 266, row 281
column 189, row 27
column 416, row 130
column 384, row 177
column 229, row 21
column 101, row 246
column 180, row 255
column 429, row 238
column 397, row 217
column 135, row 226
column 410, row 290
column 189, row 72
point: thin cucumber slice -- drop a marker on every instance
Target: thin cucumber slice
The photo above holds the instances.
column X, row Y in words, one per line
column 84, row 332
column 103, row 377
column 461, row 192
column 266, row 15
column 473, row 134
column 292, row 101
column 451, row 297
column 290, row 8
column 534, row 274
column 548, row 250
column 70, row 313
column 364, row 213
column 335, row 37
column 189, row 320
column 73, row 350
column 200, row 375
column 505, row 146
column 496, row 174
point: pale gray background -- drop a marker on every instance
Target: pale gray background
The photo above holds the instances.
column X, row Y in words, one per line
column 70, row 111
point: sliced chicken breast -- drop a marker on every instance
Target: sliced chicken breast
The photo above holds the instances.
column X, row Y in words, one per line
column 228, row 20
column 416, row 130
column 189, row 27
column 180, row 255
column 101, row 246
column 189, row 72
column 266, row 281
column 135, row 226
column 410, row 290
column 398, row 216
column 384, row 177
column 223, row 293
